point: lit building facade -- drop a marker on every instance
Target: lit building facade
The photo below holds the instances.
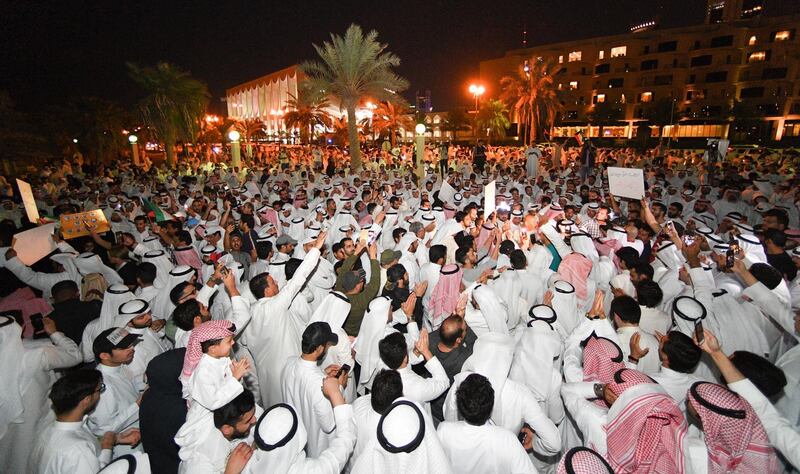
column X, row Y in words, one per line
column 737, row 63
column 264, row 98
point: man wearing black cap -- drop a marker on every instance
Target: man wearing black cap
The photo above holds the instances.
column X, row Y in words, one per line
column 118, row 407
column 301, row 382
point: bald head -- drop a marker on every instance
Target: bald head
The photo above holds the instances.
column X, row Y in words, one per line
column 452, row 331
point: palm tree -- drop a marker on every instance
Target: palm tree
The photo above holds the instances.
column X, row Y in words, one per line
column 390, row 117
column 532, row 97
column 493, row 117
column 457, row 121
column 341, row 132
column 307, row 110
column 96, row 123
column 174, row 104
column 351, row 67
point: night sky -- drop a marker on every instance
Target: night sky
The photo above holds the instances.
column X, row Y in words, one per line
column 55, row 50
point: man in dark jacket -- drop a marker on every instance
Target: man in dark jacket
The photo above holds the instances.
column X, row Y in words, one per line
column 452, row 344
column 69, row 312
column 479, row 157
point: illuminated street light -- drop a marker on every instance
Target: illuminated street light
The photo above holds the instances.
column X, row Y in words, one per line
column 234, row 136
column 420, row 145
column 133, row 139
column 75, row 140
column 236, row 157
column 476, row 90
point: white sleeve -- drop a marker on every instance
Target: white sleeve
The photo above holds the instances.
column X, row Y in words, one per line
column 780, row 432
column 771, row 306
column 239, row 313
column 588, row 416
column 215, row 395
column 63, row 354
column 293, row 286
column 41, row 281
column 334, row 458
column 548, row 439
column 437, row 384
column 573, row 352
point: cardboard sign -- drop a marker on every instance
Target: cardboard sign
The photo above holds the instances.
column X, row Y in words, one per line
column 626, row 182
column 489, row 192
column 28, row 200
column 72, row 225
column 34, row 244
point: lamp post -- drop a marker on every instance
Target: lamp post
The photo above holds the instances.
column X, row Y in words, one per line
column 420, row 144
column 133, row 139
column 476, row 90
column 236, row 158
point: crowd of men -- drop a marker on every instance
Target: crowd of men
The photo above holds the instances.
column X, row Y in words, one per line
column 295, row 316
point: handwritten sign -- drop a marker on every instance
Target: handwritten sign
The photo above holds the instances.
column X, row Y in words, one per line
column 34, row 244
column 626, row 182
column 489, row 192
column 72, row 225
column 28, row 200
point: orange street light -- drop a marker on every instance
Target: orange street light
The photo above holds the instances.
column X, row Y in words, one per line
column 476, row 90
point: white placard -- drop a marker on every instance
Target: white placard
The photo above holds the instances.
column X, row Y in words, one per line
column 29, row 201
column 626, row 182
column 34, row 244
column 446, row 192
column 489, row 192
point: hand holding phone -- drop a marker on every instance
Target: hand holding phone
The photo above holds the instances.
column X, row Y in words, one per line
column 699, row 336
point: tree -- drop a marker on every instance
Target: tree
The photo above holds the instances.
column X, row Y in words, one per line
column 493, row 117
column 97, row 124
column 350, row 68
column 532, row 97
column 341, row 132
column 307, row 110
column 390, row 117
column 174, row 104
column 606, row 113
column 457, row 121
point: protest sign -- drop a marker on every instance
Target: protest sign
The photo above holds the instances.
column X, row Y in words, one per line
column 28, row 201
column 72, row 225
column 34, row 244
column 626, row 182
column 489, row 192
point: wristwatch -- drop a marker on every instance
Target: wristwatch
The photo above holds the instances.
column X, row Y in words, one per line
column 598, row 390
column 633, row 360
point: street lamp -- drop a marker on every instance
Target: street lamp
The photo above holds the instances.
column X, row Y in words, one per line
column 133, row 139
column 236, row 157
column 476, row 90
column 420, row 145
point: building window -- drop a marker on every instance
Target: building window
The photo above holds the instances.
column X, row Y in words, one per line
column 667, row 46
column 774, row 73
column 721, row 41
column 718, row 76
column 602, row 68
column 752, row 40
column 601, row 54
column 437, row 119
column 560, row 86
column 692, row 79
column 649, row 64
column 574, row 56
column 646, row 97
column 784, row 35
column 599, row 99
column 561, row 59
column 619, row 51
column 758, row 56
column 751, row 92
column 699, row 61
column 573, row 85
column 617, row 82
column 663, row 80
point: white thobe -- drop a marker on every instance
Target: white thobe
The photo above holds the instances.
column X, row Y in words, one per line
column 301, row 386
column 149, row 294
column 654, row 320
column 150, row 345
column 429, row 272
column 483, row 449
column 676, row 384
column 67, row 448
column 272, row 336
column 117, row 409
column 38, row 362
column 366, row 421
column 650, row 363
column 211, row 455
column 789, row 403
column 422, row 390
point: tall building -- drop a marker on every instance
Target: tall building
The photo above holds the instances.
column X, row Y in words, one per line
column 264, row 98
column 737, row 63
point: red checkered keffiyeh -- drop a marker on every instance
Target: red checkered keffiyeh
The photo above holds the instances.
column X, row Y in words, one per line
column 602, row 357
column 582, row 460
column 647, row 434
column 735, row 438
column 205, row 332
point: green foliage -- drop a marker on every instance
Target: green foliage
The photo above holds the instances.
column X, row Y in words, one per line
column 350, row 68
column 532, row 97
column 307, row 110
column 174, row 104
column 493, row 118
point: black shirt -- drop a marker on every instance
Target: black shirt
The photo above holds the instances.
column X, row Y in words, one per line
column 72, row 316
column 451, row 362
column 784, row 264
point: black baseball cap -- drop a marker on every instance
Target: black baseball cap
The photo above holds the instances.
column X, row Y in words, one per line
column 114, row 338
column 317, row 334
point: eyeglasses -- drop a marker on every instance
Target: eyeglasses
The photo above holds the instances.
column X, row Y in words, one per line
column 101, row 388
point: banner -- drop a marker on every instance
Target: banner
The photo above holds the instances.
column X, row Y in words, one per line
column 72, row 225
column 626, row 182
column 34, row 244
column 28, row 200
column 446, row 192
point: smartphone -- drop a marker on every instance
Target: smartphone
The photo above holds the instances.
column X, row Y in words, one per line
column 37, row 321
column 698, row 332
column 689, row 237
column 343, row 370
column 730, row 257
